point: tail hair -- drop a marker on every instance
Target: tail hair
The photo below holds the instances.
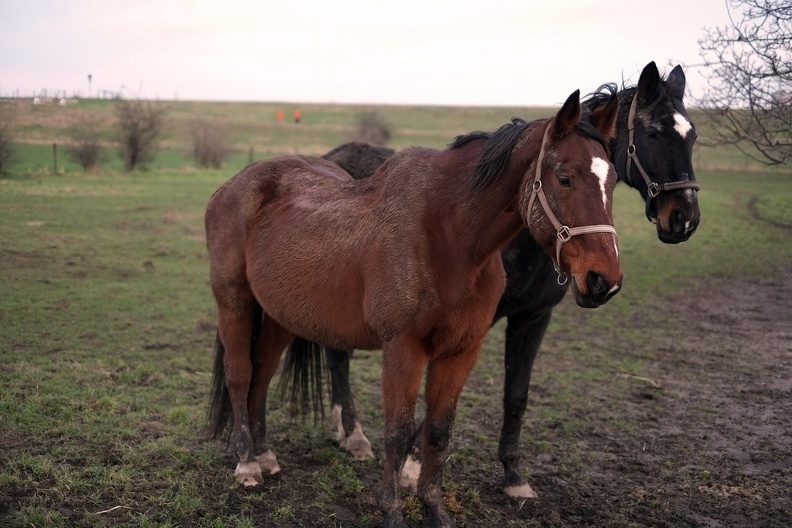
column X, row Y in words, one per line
column 302, row 378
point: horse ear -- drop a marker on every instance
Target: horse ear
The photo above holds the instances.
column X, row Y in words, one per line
column 648, row 84
column 676, row 82
column 604, row 117
column 568, row 117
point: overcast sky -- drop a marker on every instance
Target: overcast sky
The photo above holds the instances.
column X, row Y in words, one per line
column 437, row 52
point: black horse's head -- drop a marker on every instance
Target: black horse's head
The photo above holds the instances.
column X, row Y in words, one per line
column 653, row 151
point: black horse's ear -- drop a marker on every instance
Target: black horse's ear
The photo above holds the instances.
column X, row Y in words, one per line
column 604, row 117
column 676, row 83
column 568, row 117
column 648, row 84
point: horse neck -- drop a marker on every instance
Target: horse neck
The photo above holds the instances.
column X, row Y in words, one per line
column 491, row 212
column 491, row 227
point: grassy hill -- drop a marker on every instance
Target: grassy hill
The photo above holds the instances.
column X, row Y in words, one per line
column 252, row 125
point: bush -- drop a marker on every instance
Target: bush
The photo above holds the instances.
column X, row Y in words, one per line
column 7, row 148
column 372, row 128
column 85, row 147
column 139, row 126
column 210, row 147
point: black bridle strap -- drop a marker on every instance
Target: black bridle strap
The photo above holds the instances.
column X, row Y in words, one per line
column 563, row 232
column 653, row 189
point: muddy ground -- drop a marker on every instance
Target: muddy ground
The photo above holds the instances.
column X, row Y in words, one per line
column 704, row 439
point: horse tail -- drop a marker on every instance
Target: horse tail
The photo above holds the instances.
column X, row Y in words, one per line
column 302, row 377
column 221, row 416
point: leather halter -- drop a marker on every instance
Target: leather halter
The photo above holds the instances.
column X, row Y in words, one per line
column 653, row 189
column 563, row 232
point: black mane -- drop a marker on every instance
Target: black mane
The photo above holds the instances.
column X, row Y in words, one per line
column 499, row 145
column 496, row 152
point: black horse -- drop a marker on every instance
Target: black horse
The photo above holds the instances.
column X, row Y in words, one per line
column 652, row 153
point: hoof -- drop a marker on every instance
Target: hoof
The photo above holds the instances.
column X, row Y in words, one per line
column 358, row 444
column 248, row 474
column 408, row 478
column 394, row 519
column 521, row 491
column 438, row 517
column 268, row 462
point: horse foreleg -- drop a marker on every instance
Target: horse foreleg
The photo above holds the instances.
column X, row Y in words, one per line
column 270, row 343
column 349, row 432
column 402, row 366
column 445, row 379
column 235, row 329
column 523, row 337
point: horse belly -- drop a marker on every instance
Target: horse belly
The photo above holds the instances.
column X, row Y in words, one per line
column 316, row 295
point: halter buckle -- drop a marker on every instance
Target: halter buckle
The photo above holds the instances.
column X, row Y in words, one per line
column 563, row 234
column 652, row 189
column 631, row 150
column 537, row 184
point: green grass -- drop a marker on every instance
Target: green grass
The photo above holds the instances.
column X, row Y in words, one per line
column 107, row 325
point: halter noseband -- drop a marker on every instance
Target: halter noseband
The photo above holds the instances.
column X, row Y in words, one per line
column 653, row 189
column 563, row 232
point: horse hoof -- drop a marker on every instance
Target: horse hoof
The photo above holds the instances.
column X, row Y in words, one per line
column 268, row 462
column 394, row 519
column 438, row 517
column 521, row 491
column 358, row 444
column 248, row 474
column 408, row 478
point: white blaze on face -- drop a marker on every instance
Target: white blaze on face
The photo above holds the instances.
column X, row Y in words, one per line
column 600, row 169
column 682, row 125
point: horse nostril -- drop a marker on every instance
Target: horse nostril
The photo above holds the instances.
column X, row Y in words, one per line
column 678, row 221
column 597, row 284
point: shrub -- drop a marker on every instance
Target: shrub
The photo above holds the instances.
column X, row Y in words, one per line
column 7, row 148
column 372, row 128
column 85, row 146
column 139, row 125
column 210, row 147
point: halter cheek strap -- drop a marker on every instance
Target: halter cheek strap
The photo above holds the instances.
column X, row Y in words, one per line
column 653, row 189
column 563, row 233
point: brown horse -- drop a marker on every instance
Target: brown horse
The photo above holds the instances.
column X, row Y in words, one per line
column 408, row 261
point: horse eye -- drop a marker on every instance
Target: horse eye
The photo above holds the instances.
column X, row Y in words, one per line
column 564, row 181
column 652, row 134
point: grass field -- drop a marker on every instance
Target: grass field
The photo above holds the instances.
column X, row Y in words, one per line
column 107, row 324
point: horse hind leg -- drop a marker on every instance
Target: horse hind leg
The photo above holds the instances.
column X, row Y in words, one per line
column 235, row 329
column 349, row 432
column 271, row 340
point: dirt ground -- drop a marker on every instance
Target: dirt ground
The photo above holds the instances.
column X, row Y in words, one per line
column 706, row 441
column 712, row 446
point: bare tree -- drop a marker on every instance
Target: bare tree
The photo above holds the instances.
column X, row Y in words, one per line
column 750, row 90
column 139, row 125
column 210, row 147
column 7, row 148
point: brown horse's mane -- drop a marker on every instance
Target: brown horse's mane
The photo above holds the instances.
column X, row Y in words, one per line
column 497, row 150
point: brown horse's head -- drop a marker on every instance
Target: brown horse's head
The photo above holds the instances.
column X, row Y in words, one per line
column 655, row 150
column 567, row 198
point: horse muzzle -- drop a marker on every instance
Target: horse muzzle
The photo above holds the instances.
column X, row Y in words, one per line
column 678, row 217
column 598, row 290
